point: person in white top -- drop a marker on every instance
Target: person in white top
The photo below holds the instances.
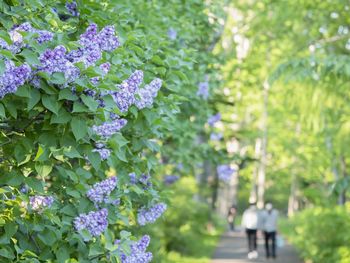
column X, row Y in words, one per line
column 250, row 222
column 269, row 226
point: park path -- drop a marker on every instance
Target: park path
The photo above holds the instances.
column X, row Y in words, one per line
column 233, row 249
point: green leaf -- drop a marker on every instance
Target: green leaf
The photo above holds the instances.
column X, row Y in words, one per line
column 48, row 237
column 2, row 111
column 66, row 94
column 79, row 107
column 58, row 78
column 6, row 252
column 62, row 117
column 2, row 67
column 95, row 249
column 34, row 98
column 43, row 170
column 50, row 102
column 39, row 153
column 35, row 184
column 23, row 91
column 10, row 229
column 62, row 253
column 90, row 102
column 79, row 127
column 94, row 159
column 30, row 57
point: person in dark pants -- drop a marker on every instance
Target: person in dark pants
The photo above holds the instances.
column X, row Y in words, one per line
column 250, row 223
column 231, row 216
column 270, row 217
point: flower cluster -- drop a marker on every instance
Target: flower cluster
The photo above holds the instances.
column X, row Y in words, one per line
column 105, row 67
column 125, row 96
column 100, row 191
column 138, row 252
column 203, row 90
column 43, row 35
column 147, row 94
column 146, row 216
column 145, row 179
column 95, row 222
column 216, row 136
column 38, row 202
column 172, row 34
column 103, row 152
column 132, row 177
column 13, row 77
column 55, row 60
column 214, row 119
column 225, row 172
column 170, row 179
column 72, row 8
column 107, row 129
column 93, row 43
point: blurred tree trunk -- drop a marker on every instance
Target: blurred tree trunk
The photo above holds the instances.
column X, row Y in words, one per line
column 293, row 204
column 253, row 192
column 342, row 194
column 263, row 160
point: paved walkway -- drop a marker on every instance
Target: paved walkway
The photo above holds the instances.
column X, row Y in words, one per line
column 233, row 249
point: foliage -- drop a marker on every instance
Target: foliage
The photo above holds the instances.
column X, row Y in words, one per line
column 322, row 234
column 61, row 139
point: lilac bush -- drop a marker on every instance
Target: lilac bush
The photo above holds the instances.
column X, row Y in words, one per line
column 101, row 190
column 138, row 252
column 150, row 215
column 95, row 222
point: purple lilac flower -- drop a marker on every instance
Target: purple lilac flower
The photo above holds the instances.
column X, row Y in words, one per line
column 147, row 94
column 13, row 77
column 101, row 190
column 95, row 222
column 180, row 166
column 35, row 81
column 214, row 119
column 113, row 116
column 145, row 179
column 138, row 252
column 132, row 177
column 4, row 44
column 203, row 90
column 216, row 136
column 103, row 152
column 89, row 92
column 95, row 81
column 72, row 8
column 107, row 129
column 93, row 43
column 105, row 67
column 125, row 96
column 172, row 34
column 107, row 39
column 38, row 202
column 115, row 202
column 43, row 35
column 170, row 179
column 225, row 172
column 146, row 216
column 55, row 61
column 24, row 189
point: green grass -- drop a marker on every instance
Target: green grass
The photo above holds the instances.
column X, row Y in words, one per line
column 204, row 249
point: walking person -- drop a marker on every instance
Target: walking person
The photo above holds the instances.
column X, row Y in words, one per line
column 269, row 225
column 250, row 221
column 231, row 216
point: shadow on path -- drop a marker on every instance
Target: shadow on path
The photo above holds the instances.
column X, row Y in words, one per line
column 233, row 249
